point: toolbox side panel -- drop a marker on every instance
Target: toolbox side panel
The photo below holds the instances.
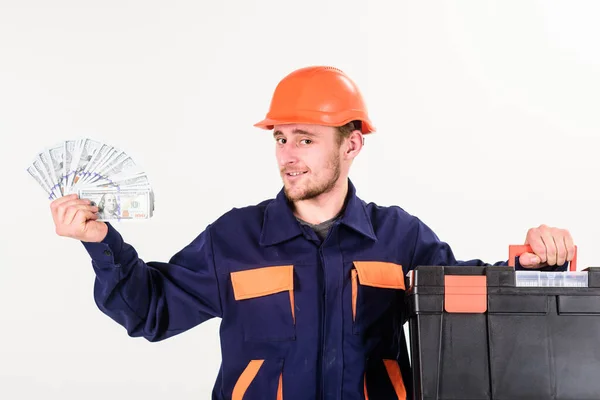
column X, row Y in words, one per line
column 425, row 348
column 465, row 364
column 462, row 373
column 520, row 354
column 576, row 347
column 542, row 355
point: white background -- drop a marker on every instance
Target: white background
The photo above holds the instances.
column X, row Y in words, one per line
column 487, row 118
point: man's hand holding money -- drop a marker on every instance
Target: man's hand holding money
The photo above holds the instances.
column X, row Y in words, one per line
column 97, row 173
column 78, row 219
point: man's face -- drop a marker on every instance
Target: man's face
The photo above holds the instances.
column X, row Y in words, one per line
column 309, row 159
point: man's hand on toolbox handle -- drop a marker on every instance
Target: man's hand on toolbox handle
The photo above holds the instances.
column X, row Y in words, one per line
column 550, row 246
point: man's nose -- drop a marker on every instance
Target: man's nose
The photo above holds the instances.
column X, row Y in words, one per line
column 287, row 154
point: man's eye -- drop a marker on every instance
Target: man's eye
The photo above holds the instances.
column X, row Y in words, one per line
column 280, row 140
column 306, row 141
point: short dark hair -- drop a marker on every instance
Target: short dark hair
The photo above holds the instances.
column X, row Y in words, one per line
column 346, row 130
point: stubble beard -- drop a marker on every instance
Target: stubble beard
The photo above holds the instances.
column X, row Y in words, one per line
column 314, row 190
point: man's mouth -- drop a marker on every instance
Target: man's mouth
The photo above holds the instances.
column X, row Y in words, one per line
column 297, row 173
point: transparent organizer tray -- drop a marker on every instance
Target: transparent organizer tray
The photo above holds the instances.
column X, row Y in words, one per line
column 551, row 279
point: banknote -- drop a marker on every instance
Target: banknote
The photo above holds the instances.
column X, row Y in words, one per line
column 130, row 182
column 39, row 179
column 56, row 169
column 87, row 148
column 104, row 173
column 97, row 157
column 120, row 204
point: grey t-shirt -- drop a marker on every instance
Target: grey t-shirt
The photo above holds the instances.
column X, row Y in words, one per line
column 321, row 229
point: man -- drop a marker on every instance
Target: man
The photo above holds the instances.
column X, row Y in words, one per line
column 309, row 285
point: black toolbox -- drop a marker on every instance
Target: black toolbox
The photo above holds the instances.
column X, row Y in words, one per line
column 479, row 333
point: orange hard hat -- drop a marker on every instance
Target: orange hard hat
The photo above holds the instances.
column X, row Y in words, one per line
column 317, row 95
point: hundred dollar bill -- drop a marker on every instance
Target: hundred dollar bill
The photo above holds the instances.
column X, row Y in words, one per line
column 116, row 166
column 134, row 177
column 89, row 171
column 89, row 148
column 49, row 171
column 38, row 167
column 57, row 155
column 114, row 204
column 69, row 149
column 134, row 182
column 35, row 174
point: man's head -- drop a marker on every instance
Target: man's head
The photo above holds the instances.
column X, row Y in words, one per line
column 314, row 159
column 318, row 117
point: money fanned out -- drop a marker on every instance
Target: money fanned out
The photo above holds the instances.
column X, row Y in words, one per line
column 96, row 171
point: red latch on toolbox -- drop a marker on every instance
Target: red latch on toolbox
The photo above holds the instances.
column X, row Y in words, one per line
column 465, row 294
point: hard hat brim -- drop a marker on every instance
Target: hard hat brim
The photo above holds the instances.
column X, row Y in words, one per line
column 269, row 123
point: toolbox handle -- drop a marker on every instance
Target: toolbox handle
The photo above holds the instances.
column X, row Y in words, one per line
column 516, row 250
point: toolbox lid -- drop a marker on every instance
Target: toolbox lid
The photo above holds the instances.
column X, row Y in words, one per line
column 430, row 277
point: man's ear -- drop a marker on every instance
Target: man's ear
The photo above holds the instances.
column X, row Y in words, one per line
column 354, row 144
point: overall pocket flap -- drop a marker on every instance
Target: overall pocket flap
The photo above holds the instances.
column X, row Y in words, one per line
column 264, row 281
column 380, row 274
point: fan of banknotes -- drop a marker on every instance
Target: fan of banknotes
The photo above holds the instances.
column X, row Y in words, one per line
column 96, row 171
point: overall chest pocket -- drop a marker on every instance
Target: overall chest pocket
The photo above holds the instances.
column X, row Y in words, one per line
column 377, row 287
column 265, row 298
